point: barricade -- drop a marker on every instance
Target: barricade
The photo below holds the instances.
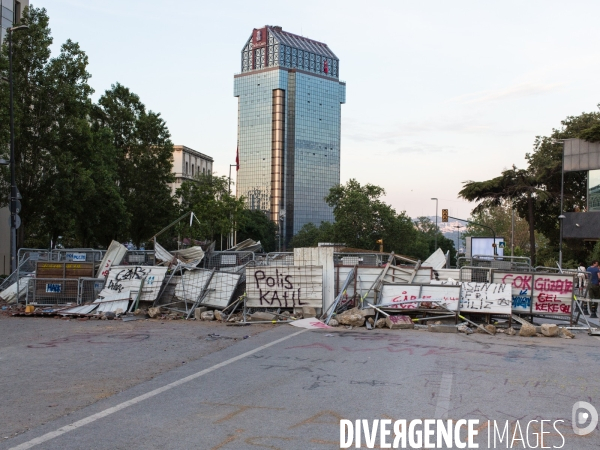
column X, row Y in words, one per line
column 76, row 255
column 52, row 291
column 476, row 274
column 540, row 294
column 139, row 257
column 508, row 263
column 218, row 260
column 89, row 288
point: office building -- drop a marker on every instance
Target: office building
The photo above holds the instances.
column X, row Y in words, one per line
column 189, row 163
column 289, row 106
column 12, row 11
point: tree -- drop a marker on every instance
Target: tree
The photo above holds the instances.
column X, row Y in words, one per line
column 144, row 160
column 426, row 238
column 536, row 190
column 499, row 218
column 254, row 224
column 56, row 152
column 361, row 219
column 519, row 186
column 218, row 211
column 310, row 236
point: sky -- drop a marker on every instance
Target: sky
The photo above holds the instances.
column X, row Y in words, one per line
column 438, row 92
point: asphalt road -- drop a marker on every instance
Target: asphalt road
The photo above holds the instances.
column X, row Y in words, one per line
column 288, row 389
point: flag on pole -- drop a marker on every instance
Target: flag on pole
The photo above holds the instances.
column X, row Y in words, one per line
column 237, row 159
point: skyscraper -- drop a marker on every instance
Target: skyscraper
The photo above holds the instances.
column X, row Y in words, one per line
column 11, row 11
column 289, row 107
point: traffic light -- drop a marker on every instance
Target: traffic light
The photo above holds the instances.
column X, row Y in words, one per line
column 444, row 215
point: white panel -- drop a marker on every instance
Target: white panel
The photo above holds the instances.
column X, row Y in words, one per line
column 486, row 298
column 366, row 277
column 220, row 290
column 552, row 294
column 521, row 290
column 285, row 287
column 319, row 256
column 114, row 255
column 121, row 278
column 483, row 246
column 448, row 295
column 548, row 293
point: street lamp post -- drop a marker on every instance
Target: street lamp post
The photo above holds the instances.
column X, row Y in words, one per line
column 458, row 227
column 13, row 177
column 231, row 235
column 560, row 219
column 280, row 222
column 436, row 225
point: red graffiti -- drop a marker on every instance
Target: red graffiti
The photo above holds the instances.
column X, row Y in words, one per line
column 549, row 285
column 521, row 281
column 560, row 308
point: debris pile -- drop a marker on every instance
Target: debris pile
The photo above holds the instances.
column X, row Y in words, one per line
column 313, row 287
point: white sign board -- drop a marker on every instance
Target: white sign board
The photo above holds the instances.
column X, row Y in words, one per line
column 539, row 293
column 122, row 278
column 75, row 256
column 284, row 286
column 486, row 298
column 447, row 295
column 484, row 246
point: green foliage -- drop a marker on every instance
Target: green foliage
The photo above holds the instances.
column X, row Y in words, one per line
column 499, row 218
column 310, row 236
column 144, row 160
column 519, row 186
column 255, row 224
column 361, row 218
column 535, row 191
column 88, row 173
column 218, row 211
column 426, row 237
column 595, row 254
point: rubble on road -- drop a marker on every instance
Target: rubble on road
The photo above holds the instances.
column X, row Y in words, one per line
column 314, row 285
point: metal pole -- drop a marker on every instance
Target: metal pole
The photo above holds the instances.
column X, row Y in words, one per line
column 13, row 183
column 437, row 230
column 512, row 231
column 13, row 176
column 561, row 217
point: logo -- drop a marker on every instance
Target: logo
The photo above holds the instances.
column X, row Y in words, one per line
column 582, row 413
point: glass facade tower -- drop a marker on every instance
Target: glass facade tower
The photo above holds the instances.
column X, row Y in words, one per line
column 11, row 12
column 289, row 107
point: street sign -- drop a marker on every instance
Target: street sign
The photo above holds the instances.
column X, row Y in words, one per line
column 16, row 207
column 501, row 245
column 17, row 221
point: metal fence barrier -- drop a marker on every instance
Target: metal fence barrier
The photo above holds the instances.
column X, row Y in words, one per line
column 476, row 274
column 360, row 259
column 512, row 263
column 139, row 257
column 276, row 259
column 89, row 289
column 52, row 291
column 225, row 259
column 76, row 254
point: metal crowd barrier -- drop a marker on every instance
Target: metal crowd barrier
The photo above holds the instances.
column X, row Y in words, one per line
column 63, row 291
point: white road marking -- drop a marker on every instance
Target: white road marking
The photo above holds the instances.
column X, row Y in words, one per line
column 443, row 403
column 141, row 398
